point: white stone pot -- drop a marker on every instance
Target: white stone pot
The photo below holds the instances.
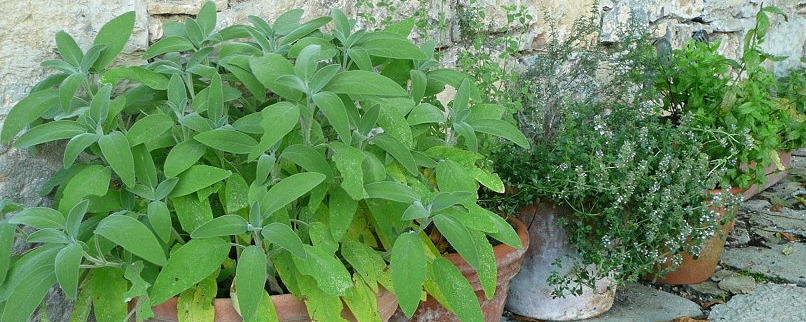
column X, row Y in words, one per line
column 530, row 293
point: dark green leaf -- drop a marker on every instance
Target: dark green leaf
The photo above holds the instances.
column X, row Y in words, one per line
column 148, row 128
column 76, row 146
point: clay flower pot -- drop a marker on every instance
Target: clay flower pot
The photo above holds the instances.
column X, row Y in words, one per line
column 693, row 271
column 773, row 175
column 288, row 308
column 530, row 293
column 508, row 261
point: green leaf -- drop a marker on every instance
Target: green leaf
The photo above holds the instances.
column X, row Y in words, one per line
column 399, row 151
column 330, row 274
column 278, row 120
column 348, row 161
column 196, row 303
column 501, row 129
column 408, row 266
column 304, row 30
column 425, row 113
column 75, row 217
column 466, row 132
column 39, row 218
column 266, row 310
column 160, row 219
column 133, row 236
column 114, row 34
column 269, row 68
column 390, row 45
column 460, row 238
column 444, row 200
column 362, row 302
column 487, row 270
column 69, row 88
column 188, row 265
column 289, row 190
column 226, row 225
column 401, row 28
column 192, row 212
column 333, row 108
column 457, row 291
column 361, row 58
column 236, row 193
column 76, row 146
column 321, row 305
column 7, row 232
column 342, row 210
column 92, row 180
column 207, row 17
column 138, row 74
column 68, row 48
column 461, row 100
column 364, row 82
column 390, row 190
column 506, row 234
column 67, row 266
column 23, row 301
column 198, row 177
column 415, row 211
column 308, row 158
column 148, row 128
column 108, row 287
column 366, row 262
column 282, row 235
column 48, row 236
column 26, row 111
column 82, row 307
column 183, row 156
column 452, row 177
column 167, row 45
column 138, row 290
column 227, row 140
column 99, row 106
column 115, row 148
column 250, row 279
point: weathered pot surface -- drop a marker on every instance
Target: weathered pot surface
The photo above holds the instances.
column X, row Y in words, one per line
column 693, row 271
column 530, row 294
column 288, row 309
column 508, row 261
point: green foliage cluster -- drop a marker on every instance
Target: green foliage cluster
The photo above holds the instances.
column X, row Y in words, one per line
column 288, row 157
column 633, row 178
column 735, row 104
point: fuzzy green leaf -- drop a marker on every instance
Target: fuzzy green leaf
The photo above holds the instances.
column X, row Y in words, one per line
column 67, row 266
column 188, row 265
column 250, row 279
column 226, row 225
column 148, row 128
column 183, row 156
column 26, row 111
column 364, row 82
column 198, row 177
column 117, row 151
column 133, row 236
column 114, row 34
column 408, row 266
column 289, row 190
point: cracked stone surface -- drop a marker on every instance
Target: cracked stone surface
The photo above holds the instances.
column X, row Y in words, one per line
column 738, row 284
column 769, row 302
column 639, row 302
column 772, row 263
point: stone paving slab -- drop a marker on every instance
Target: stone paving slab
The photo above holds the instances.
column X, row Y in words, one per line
column 769, row 302
column 639, row 302
column 773, row 262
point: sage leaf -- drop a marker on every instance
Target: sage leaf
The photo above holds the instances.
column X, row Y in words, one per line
column 192, row 212
column 108, row 288
column 289, row 190
column 250, row 280
column 69, row 88
column 330, row 274
column 408, row 267
column 227, row 140
column 226, row 225
column 142, row 75
column 26, row 111
column 188, row 265
column 460, row 238
column 76, row 146
column 167, row 45
column 358, row 82
column 501, row 129
column 457, row 291
column 114, row 34
column 133, row 236
column 39, row 218
column 148, row 128
column 48, row 236
column 349, row 162
column 75, row 217
column 115, row 148
column 398, row 151
column 160, row 219
column 198, row 177
column 282, row 235
column 183, row 156
column 333, row 108
column 390, row 190
column 68, row 48
column 23, row 301
column 67, row 265
column 307, row 158
column 278, row 119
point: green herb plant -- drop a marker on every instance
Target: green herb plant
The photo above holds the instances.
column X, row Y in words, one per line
column 634, row 181
column 286, row 157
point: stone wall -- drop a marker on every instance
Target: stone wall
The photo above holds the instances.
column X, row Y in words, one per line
column 29, row 28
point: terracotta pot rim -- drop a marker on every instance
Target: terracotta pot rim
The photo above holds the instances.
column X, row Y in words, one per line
column 504, row 254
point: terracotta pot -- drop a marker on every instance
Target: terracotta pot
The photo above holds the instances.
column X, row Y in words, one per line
column 530, row 293
column 288, row 309
column 773, row 175
column 508, row 261
column 693, row 271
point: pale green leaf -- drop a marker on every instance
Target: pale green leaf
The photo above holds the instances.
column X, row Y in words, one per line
column 408, row 266
column 198, row 177
column 288, row 190
column 225, row 225
column 133, row 236
column 364, row 82
column 188, row 265
column 183, row 156
column 117, row 151
column 114, row 34
column 67, row 267
column 148, row 128
column 250, row 279
column 457, row 291
column 227, row 140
